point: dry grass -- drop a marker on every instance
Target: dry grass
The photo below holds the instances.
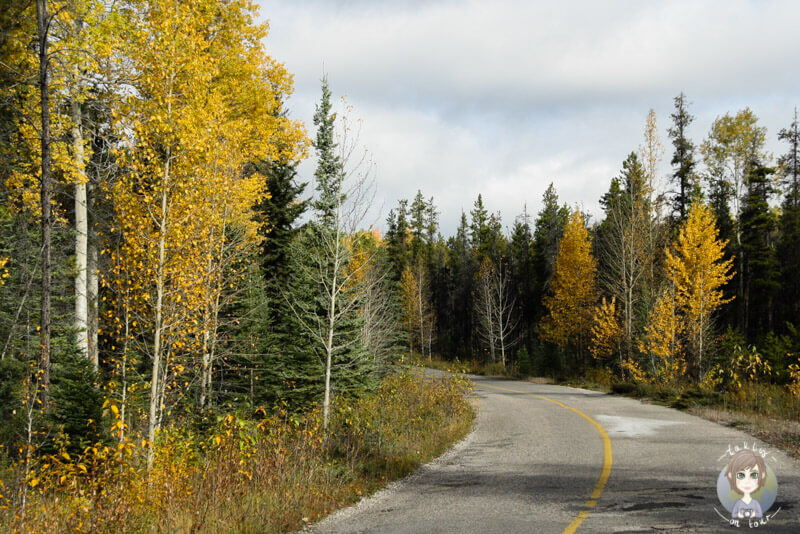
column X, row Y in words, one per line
column 272, row 475
column 781, row 433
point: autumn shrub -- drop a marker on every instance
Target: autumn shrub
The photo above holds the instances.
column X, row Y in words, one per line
column 394, row 432
column 252, row 472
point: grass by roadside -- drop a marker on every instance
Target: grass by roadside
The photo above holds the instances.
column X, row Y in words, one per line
column 273, row 474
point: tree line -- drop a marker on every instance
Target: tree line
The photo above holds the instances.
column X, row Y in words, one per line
column 691, row 279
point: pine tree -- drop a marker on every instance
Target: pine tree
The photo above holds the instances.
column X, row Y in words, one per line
column 479, row 218
column 420, row 245
column 457, row 326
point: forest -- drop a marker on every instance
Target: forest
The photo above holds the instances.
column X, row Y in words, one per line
column 685, row 279
column 185, row 319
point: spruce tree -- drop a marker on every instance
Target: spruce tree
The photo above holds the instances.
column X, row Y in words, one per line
column 397, row 230
column 326, row 290
column 520, row 257
column 682, row 160
column 478, row 225
column 548, row 229
column 278, row 213
column 719, row 194
column 762, row 272
column 457, row 329
column 789, row 245
column 328, row 174
column 77, row 400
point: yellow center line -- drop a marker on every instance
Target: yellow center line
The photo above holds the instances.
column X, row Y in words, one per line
column 608, row 459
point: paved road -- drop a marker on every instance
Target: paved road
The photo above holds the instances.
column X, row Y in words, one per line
column 546, row 458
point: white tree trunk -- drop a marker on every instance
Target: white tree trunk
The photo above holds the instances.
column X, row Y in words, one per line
column 154, row 420
column 81, row 233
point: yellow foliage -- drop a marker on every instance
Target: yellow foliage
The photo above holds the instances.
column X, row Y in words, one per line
column 697, row 268
column 745, row 366
column 794, row 373
column 208, row 101
column 635, row 371
column 570, row 306
column 606, row 330
column 3, row 270
column 663, row 339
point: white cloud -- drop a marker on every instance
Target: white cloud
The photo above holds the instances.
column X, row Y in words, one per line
column 500, row 98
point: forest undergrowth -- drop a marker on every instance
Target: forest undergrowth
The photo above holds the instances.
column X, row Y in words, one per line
column 253, row 472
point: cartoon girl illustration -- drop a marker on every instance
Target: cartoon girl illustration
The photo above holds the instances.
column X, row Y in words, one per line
column 746, row 474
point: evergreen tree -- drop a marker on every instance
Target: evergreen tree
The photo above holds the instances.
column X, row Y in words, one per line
column 328, row 173
column 789, row 245
column 265, row 371
column 77, row 400
column 719, row 194
column 327, row 290
column 683, row 158
column 420, row 244
column 479, row 219
column 627, row 248
column 278, row 213
column 456, row 321
column 397, row 242
column 762, row 272
column 520, row 257
column 548, row 229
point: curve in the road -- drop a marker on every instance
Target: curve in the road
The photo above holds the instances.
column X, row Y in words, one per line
column 608, row 457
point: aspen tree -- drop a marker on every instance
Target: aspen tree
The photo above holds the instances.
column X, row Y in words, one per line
column 574, row 291
column 204, row 105
column 697, row 267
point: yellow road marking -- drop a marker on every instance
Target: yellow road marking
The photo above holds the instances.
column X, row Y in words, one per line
column 608, row 458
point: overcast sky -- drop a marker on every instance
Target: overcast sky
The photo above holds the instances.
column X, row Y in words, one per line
column 502, row 97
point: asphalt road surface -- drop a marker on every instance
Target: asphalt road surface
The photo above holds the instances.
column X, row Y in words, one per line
column 546, row 458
